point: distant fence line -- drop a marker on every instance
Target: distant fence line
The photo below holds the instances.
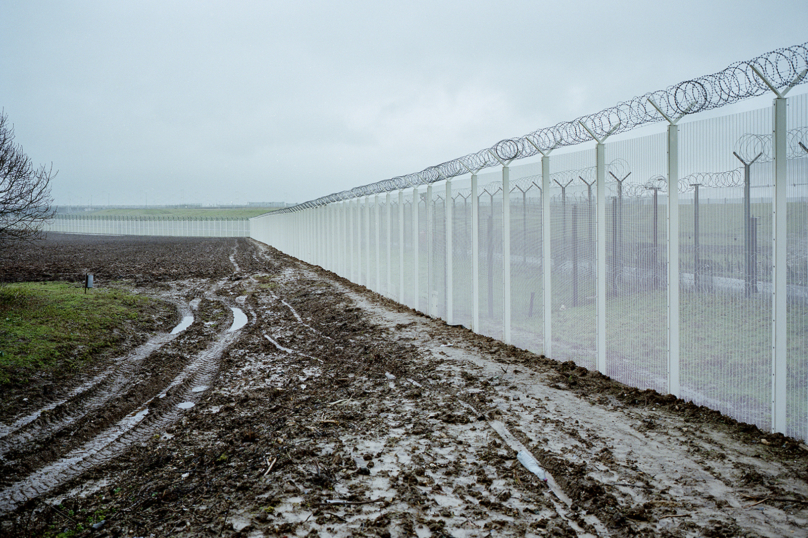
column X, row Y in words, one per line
column 697, row 291
column 150, row 225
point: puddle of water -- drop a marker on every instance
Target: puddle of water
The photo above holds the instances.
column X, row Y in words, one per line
column 185, row 405
column 184, row 324
column 239, row 319
column 200, row 388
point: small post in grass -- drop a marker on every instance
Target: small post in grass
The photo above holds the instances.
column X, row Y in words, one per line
column 88, row 282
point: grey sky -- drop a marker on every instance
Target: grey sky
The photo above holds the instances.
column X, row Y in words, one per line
column 226, row 102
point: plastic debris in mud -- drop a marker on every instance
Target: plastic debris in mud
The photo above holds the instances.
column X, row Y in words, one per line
column 530, row 463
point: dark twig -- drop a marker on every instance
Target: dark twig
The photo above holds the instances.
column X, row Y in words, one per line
column 226, row 513
column 757, row 503
column 336, row 516
column 64, row 515
column 337, row 502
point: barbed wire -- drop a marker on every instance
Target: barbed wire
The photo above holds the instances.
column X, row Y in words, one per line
column 782, row 67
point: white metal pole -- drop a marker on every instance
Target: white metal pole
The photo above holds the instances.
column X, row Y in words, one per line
column 779, row 270
column 673, row 261
column 779, row 369
column 475, row 255
column 401, row 298
column 351, row 256
column 506, row 249
column 337, row 243
column 600, row 227
column 357, row 233
column 377, row 283
column 415, row 245
column 449, row 215
column 368, row 248
column 389, row 216
column 342, row 240
column 547, row 258
column 506, row 254
column 430, row 258
column 673, row 369
column 333, row 209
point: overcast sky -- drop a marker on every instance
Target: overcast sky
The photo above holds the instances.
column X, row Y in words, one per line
column 229, row 102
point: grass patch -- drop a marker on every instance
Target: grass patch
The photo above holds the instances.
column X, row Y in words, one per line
column 54, row 327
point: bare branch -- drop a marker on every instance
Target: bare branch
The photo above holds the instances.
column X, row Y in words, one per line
column 25, row 200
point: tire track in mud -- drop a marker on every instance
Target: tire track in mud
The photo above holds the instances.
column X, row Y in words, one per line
column 155, row 414
column 140, row 420
column 85, row 399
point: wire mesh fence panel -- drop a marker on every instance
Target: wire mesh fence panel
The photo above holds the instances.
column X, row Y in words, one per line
column 395, row 263
column 375, row 240
column 461, row 263
column 364, row 242
column 490, row 255
column 725, row 283
column 636, row 301
column 408, row 263
column 527, row 293
column 382, row 246
column 437, row 292
column 148, row 226
column 573, row 288
column 797, row 336
column 423, row 254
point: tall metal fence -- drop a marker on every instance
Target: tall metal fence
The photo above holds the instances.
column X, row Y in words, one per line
column 158, row 226
column 587, row 255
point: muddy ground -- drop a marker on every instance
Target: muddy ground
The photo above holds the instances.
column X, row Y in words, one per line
column 336, row 412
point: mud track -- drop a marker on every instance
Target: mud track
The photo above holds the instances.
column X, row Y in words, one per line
column 335, row 412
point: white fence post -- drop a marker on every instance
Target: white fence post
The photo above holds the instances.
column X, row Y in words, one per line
column 368, row 248
column 780, row 243
column 600, row 228
column 389, row 216
column 331, row 237
column 351, row 236
column 430, row 258
column 506, row 253
column 547, row 241
column 506, row 248
column 449, row 214
column 344, row 238
column 475, row 255
column 780, row 269
column 376, row 249
column 673, row 369
column 415, row 248
column 401, row 246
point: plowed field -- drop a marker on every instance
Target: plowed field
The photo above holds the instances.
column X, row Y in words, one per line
column 294, row 403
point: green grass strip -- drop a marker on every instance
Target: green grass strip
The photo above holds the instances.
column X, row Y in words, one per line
column 54, row 327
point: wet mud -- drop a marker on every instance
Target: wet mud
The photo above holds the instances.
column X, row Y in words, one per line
column 333, row 411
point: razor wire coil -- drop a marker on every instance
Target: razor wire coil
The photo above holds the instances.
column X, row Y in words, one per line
column 782, row 67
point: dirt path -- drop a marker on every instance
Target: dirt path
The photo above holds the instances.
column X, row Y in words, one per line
column 335, row 412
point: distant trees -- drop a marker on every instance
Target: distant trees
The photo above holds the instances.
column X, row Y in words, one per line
column 25, row 200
